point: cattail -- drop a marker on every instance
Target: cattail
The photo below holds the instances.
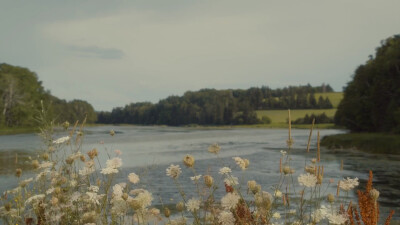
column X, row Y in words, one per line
column 188, row 161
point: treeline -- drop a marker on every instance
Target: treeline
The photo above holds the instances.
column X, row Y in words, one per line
column 318, row 119
column 371, row 100
column 217, row 107
column 21, row 94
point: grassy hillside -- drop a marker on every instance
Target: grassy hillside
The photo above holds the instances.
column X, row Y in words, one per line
column 280, row 116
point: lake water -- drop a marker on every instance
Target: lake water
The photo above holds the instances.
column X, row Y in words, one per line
column 148, row 151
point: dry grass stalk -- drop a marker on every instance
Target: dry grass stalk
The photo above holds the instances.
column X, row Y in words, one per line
column 318, row 148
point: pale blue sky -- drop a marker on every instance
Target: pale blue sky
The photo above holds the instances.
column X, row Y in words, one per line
column 111, row 53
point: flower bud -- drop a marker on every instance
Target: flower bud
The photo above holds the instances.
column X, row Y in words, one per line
column 112, row 132
column 331, row 198
column 287, row 170
column 246, row 163
column 82, row 157
column 125, row 196
column 188, row 161
column 35, row 164
column 180, row 206
column 208, row 180
column 45, row 156
column 167, row 212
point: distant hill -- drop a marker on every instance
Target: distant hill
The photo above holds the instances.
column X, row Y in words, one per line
column 21, row 94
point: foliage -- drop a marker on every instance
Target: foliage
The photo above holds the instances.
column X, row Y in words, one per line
column 280, row 116
column 371, row 100
column 321, row 118
column 21, row 94
column 368, row 142
column 217, row 107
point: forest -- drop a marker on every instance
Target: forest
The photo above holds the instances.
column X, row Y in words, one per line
column 218, row 107
column 371, row 101
column 22, row 96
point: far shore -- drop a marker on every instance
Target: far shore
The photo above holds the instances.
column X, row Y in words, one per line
column 27, row 130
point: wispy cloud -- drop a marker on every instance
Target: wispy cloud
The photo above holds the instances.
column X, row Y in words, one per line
column 97, row 52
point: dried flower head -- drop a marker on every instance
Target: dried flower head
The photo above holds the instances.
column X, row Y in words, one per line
column 225, row 170
column 133, row 178
column 92, row 153
column 374, row 194
column 193, row 204
column 18, row 172
column 188, row 160
column 173, row 171
column 214, row 148
column 180, row 206
column 348, row 184
column 208, row 180
column 226, row 218
column 229, row 201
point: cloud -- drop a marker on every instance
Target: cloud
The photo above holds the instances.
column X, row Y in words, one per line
column 97, row 52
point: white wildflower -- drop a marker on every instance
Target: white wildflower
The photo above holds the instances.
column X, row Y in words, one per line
column 276, row 215
column 283, row 152
column 195, row 178
column 307, row 180
column 94, row 197
column 144, row 198
column 61, row 140
column 93, row 188
column 49, row 191
column 319, row 214
column 226, row 218
column 173, row 171
column 240, row 162
column 231, row 181
column 225, row 170
column 278, row 194
column 118, row 191
column 108, row 170
column 229, row 201
column 337, row 218
column 34, row 199
column 86, row 171
column 133, row 178
column 193, row 204
column 348, row 184
column 114, row 163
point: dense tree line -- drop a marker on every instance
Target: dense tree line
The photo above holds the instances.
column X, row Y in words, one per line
column 21, row 94
column 372, row 99
column 217, row 107
column 308, row 119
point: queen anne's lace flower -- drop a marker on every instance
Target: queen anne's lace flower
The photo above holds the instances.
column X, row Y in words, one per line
column 225, row 170
column 307, row 180
column 231, row 181
column 276, row 215
column 336, row 218
column 133, row 178
column 195, row 178
column 226, row 218
column 61, row 140
column 348, row 184
column 193, row 204
column 173, row 171
column 229, row 201
column 114, row 163
column 108, row 170
column 240, row 162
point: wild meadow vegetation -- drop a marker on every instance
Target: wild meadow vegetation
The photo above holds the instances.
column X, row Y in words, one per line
column 72, row 185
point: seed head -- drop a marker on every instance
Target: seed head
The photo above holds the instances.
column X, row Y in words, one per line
column 167, row 212
column 331, row 198
column 374, row 194
column 188, row 161
column 45, row 156
column 180, row 206
column 208, row 180
column 35, row 164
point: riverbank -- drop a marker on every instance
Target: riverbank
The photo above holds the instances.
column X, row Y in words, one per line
column 367, row 142
column 18, row 130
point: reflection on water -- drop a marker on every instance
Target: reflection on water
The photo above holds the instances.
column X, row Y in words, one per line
column 148, row 151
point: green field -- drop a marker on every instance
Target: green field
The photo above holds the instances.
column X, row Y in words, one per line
column 334, row 97
column 280, row 116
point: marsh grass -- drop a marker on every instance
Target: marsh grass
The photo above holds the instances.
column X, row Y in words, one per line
column 72, row 186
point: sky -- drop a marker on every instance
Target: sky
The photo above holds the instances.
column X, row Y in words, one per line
column 112, row 53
